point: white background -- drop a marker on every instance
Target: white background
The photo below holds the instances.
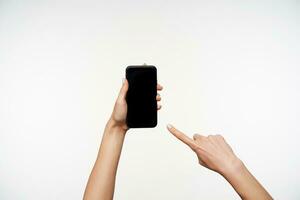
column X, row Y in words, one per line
column 228, row 67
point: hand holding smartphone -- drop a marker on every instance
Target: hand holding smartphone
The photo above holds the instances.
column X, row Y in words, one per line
column 141, row 96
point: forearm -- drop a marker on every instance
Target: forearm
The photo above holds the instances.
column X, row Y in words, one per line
column 244, row 183
column 102, row 179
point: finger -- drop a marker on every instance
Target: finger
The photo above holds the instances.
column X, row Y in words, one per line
column 158, row 107
column 159, row 87
column 123, row 90
column 158, row 97
column 201, row 161
column 198, row 137
column 181, row 136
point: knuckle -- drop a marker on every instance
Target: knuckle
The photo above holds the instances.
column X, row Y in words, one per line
column 210, row 136
column 219, row 136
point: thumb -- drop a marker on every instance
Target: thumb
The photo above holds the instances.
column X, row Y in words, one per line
column 123, row 90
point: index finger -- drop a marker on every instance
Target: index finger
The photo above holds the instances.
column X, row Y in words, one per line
column 181, row 136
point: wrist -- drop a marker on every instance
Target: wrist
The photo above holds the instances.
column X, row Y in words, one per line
column 235, row 168
column 114, row 126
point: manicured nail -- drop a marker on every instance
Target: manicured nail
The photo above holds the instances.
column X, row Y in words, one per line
column 169, row 126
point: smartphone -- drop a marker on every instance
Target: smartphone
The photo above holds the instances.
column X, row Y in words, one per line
column 141, row 96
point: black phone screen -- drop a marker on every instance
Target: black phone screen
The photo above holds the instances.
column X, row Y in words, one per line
column 141, row 96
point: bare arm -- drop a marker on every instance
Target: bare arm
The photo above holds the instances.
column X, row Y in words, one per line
column 102, row 179
column 101, row 182
column 214, row 153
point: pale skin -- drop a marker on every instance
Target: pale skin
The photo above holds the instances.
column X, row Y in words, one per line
column 213, row 152
column 101, row 182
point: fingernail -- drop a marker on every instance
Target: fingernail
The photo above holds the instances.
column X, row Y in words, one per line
column 169, row 126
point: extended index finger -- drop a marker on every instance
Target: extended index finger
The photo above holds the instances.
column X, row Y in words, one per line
column 181, row 136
